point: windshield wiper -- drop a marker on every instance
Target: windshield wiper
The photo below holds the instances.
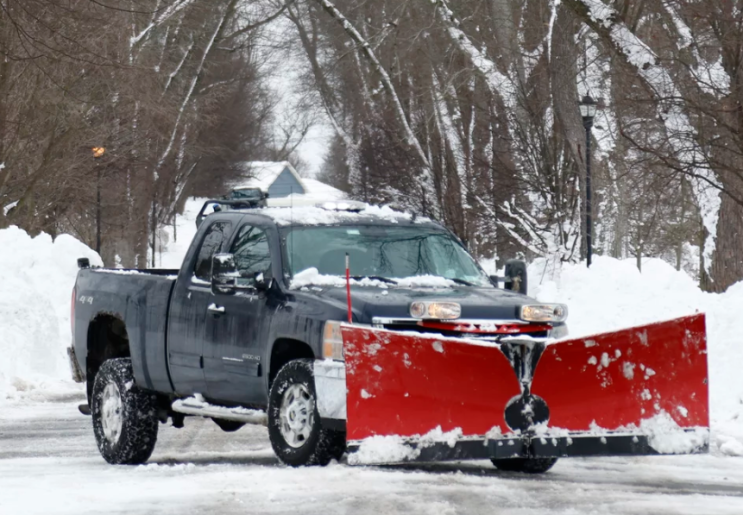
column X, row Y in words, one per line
column 376, row 277
column 459, row 281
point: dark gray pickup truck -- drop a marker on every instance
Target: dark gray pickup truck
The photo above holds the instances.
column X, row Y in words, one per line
column 247, row 330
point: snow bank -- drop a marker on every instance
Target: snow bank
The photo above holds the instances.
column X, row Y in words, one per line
column 613, row 294
column 37, row 276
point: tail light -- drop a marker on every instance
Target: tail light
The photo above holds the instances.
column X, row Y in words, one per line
column 72, row 312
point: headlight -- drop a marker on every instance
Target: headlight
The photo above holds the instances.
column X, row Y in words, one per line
column 544, row 312
column 332, row 341
column 436, row 310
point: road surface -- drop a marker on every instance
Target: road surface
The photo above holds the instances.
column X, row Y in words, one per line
column 49, row 464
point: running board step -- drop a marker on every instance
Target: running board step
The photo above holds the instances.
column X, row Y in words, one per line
column 196, row 405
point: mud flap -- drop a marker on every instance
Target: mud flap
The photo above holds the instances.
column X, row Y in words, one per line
column 641, row 390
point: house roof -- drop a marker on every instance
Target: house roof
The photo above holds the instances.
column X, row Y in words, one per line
column 261, row 174
column 264, row 173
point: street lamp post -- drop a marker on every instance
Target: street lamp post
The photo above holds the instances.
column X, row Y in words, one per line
column 588, row 111
column 97, row 154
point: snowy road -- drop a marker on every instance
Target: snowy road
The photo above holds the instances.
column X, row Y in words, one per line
column 49, row 464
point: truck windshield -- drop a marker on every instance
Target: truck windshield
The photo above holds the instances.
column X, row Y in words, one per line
column 381, row 251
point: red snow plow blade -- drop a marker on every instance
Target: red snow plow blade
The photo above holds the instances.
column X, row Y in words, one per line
column 631, row 392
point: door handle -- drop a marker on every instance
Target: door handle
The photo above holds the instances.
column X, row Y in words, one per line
column 215, row 310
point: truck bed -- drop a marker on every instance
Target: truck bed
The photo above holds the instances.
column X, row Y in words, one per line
column 138, row 297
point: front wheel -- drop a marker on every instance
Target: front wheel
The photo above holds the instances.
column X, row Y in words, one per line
column 124, row 416
column 294, row 426
column 526, row 465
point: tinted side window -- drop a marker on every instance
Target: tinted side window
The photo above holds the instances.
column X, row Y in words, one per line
column 217, row 232
column 251, row 252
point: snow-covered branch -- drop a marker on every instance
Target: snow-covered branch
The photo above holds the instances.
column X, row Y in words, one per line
column 366, row 48
column 606, row 22
column 189, row 94
column 498, row 82
column 158, row 20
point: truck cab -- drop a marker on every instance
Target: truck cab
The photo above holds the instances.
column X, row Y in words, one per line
column 262, row 290
column 279, row 278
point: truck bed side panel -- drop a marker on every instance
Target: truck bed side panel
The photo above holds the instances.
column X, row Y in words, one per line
column 141, row 301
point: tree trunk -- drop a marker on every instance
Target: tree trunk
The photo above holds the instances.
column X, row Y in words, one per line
column 727, row 261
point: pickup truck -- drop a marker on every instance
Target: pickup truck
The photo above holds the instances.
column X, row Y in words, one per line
column 248, row 330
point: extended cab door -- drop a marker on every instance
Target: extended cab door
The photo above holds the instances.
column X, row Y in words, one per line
column 237, row 337
column 189, row 309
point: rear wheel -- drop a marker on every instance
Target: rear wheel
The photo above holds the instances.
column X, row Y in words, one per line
column 526, row 465
column 294, row 426
column 124, row 416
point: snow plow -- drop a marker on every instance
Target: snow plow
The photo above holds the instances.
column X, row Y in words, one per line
column 523, row 402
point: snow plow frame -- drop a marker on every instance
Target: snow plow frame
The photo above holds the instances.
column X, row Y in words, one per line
column 532, row 446
column 634, row 392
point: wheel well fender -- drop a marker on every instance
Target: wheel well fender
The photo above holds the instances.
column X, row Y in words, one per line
column 107, row 338
column 285, row 350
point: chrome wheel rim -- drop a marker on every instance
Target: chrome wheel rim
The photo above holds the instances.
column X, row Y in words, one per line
column 112, row 418
column 296, row 415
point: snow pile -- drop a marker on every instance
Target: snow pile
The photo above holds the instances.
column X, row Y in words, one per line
column 666, row 437
column 613, row 294
column 312, row 277
column 437, row 435
column 383, row 449
column 37, row 276
column 395, row 449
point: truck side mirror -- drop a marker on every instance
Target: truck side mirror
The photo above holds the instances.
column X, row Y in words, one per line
column 224, row 274
column 261, row 282
column 516, row 276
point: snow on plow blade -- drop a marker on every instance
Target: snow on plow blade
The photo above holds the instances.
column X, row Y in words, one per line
column 637, row 391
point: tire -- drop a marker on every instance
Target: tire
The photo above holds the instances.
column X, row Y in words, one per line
column 228, row 426
column 124, row 417
column 525, row 465
column 292, row 399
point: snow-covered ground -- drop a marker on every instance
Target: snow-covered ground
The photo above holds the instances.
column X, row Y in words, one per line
column 49, row 464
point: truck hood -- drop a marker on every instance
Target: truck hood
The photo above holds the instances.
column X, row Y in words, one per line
column 477, row 303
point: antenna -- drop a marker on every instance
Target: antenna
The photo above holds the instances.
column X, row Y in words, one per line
column 291, row 225
column 348, row 289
